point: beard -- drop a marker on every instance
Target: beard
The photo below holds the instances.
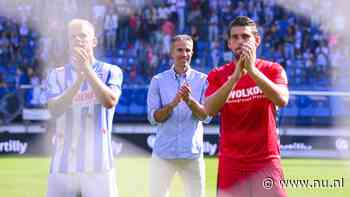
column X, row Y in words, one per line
column 237, row 53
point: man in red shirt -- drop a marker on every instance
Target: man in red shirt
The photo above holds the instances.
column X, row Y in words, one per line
column 247, row 92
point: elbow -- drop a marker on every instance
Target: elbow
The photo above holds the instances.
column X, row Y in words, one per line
column 110, row 103
column 55, row 113
column 158, row 120
column 209, row 111
column 282, row 103
column 52, row 111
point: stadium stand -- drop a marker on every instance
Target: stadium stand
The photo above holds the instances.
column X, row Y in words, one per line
column 136, row 35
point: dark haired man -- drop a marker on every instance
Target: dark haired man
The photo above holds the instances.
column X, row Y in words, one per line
column 247, row 92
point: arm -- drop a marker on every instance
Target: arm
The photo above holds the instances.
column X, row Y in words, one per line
column 214, row 102
column 197, row 109
column 156, row 113
column 163, row 113
column 60, row 104
column 278, row 94
column 106, row 96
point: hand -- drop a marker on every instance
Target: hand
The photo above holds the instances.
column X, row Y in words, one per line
column 186, row 92
column 176, row 100
column 81, row 59
column 248, row 56
column 239, row 70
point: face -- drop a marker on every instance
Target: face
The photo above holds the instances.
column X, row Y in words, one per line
column 240, row 35
column 182, row 52
column 81, row 35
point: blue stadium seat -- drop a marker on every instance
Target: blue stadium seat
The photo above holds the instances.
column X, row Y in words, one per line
column 305, row 106
column 291, row 110
column 124, row 101
column 139, row 101
column 322, row 106
column 136, row 109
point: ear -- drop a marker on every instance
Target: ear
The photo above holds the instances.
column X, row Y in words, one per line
column 229, row 44
column 172, row 52
column 94, row 42
column 257, row 40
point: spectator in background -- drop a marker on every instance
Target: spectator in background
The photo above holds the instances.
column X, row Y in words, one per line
column 213, row 26
column 21, row 77
column 142, row 20
column 3, row 87
column 180, row 9
column 111, row 28
column 174, row 105
column 35, row 83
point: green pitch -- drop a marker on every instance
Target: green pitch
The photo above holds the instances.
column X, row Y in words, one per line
column 26, row 177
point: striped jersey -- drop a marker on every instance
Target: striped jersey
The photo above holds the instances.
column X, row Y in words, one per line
column 82, row 141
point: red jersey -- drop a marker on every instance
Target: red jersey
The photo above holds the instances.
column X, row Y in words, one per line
column 248, row 136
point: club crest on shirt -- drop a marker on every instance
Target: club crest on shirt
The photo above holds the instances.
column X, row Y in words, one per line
column 245, row 95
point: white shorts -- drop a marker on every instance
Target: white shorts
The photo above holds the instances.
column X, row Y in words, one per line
column 82, row 184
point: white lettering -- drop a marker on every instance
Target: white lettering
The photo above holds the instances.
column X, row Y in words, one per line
column 15, row 146
column 244, row 93
column 239, row 93
column 252, row 92
column 23, row 147
column 257, row 90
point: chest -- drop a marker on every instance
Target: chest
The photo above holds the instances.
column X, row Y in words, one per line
column 168, row 89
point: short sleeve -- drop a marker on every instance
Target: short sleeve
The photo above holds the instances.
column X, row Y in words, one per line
column 53, row 86
column 278, row 75
column 115, row 79
column 212, row 83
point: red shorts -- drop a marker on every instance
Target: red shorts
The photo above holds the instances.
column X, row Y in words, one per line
column 262, row 182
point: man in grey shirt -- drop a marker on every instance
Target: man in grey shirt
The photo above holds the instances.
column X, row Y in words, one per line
column 174, row 102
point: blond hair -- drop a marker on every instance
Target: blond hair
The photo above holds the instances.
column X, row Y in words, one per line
column 81, row 22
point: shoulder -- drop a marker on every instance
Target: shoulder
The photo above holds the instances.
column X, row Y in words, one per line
column 163, row 75
column 266, row 64
column 110, row 71
column 111, row 67
column 57, row 71
column 199, row 74
column 220, row 71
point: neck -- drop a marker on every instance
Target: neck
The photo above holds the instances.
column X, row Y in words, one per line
column 181, row 68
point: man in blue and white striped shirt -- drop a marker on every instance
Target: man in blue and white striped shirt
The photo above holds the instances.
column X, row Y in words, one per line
column 82, row 98
column 174, row 102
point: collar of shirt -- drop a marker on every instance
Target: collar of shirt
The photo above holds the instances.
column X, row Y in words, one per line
column 188, row 74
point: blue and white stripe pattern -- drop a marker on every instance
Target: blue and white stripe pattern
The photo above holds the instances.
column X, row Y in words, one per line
column 83, row 133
